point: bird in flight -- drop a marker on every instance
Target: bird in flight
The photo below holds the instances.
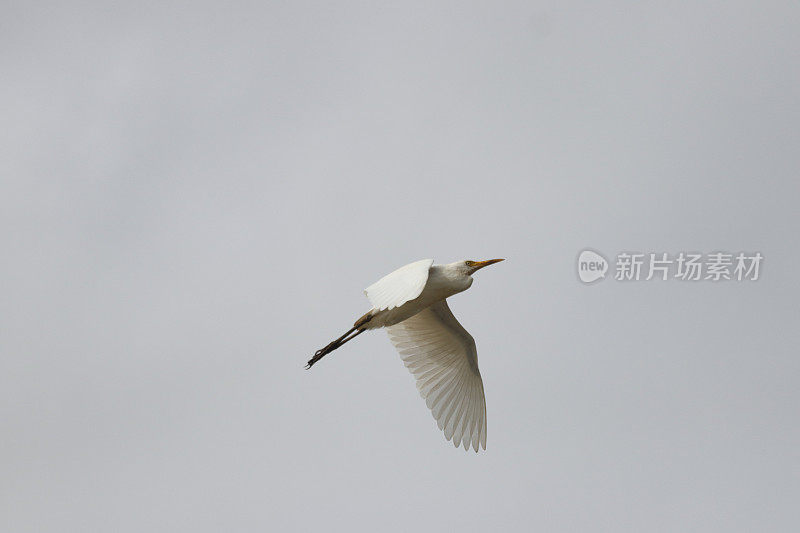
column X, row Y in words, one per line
column 411, row 303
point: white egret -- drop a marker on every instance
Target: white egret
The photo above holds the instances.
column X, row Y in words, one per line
column 411, row 304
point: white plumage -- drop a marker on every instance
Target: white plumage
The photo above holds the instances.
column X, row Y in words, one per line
column 411, row 303
column 442, row 357
column 402, row 285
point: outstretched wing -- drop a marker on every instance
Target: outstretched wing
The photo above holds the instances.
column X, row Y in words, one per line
column 399, row 287
column 441, row 355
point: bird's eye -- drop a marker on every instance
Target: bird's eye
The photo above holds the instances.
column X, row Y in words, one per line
column 470, row 263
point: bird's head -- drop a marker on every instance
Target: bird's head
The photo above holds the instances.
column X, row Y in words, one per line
column 470, row 267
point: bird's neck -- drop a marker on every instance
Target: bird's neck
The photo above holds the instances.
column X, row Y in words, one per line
column 451, row 278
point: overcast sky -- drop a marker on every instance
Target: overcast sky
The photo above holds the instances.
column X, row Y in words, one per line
column 193, row 197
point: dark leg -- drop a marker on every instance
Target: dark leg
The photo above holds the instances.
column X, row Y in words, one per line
column 319, row 354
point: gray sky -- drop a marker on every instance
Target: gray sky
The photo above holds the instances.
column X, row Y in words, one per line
column 193, row 198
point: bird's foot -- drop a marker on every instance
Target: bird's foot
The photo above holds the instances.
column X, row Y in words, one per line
column 319, row 354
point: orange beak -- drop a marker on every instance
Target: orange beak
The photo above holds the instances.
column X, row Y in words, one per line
column 480, row 264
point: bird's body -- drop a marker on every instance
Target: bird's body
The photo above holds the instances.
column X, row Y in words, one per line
column 443, row 282
column 411, row 303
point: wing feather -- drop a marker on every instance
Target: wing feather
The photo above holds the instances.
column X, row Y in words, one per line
column 399, row 287
column 442, row 356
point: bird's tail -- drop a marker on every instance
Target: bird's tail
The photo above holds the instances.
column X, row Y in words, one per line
column 322, row 352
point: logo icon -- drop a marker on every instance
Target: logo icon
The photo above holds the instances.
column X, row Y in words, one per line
column 591, row 266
